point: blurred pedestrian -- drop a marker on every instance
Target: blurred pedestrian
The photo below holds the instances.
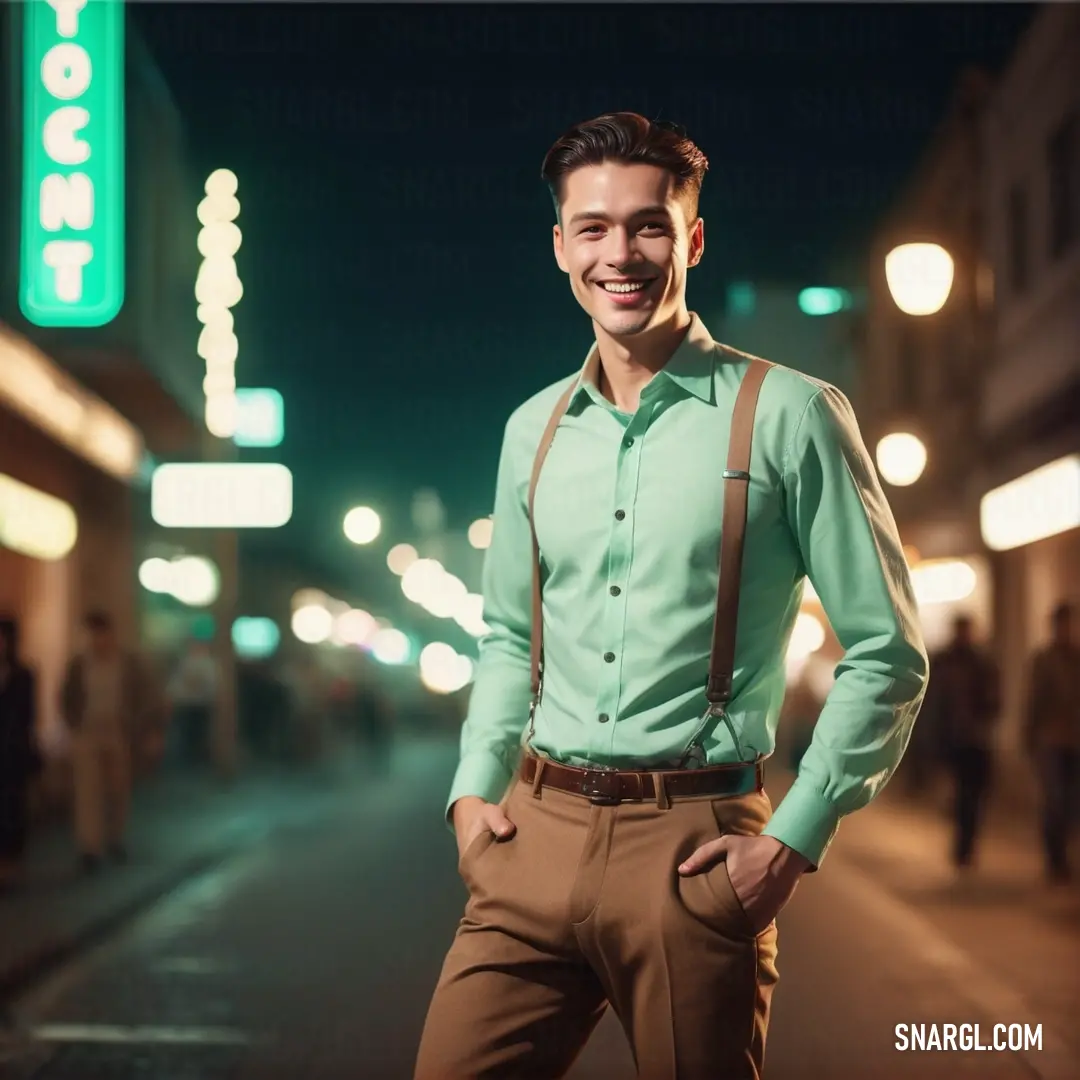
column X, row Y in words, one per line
column 108, row 704
column 20, row 759
column 1052, row 736
column 192, row 693
column 961, row 711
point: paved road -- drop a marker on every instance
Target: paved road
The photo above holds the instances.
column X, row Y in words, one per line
column 311, row 956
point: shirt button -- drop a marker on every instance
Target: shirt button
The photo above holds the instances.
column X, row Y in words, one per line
column 615, row 590
column 603, row 718
column 628, row 442
column 609, row 657
column 620, row 514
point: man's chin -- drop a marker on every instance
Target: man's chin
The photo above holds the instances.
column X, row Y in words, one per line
column 627, row 325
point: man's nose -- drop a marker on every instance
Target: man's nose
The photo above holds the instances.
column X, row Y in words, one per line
column 620, row 253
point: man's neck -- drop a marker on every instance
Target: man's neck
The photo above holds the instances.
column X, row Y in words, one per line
column 628, row 364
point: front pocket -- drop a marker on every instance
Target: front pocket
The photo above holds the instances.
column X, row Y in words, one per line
column 720, row 884
column 709, row 897
column 476, row 847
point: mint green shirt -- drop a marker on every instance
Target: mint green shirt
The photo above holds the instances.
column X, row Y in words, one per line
column 628, row 513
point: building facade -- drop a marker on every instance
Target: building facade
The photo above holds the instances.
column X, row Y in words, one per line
column 921, row 375
column 1029, row 415
column 990, row 384
column 85, row 411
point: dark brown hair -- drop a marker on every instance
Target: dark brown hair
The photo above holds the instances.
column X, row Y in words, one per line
column 631, row 139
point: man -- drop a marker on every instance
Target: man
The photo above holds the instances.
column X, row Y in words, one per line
column 106, row 703
column 1052, row 734
column 962, row 707
column 592, row 879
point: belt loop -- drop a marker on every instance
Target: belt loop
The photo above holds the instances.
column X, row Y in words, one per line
column 660, row 783
column 538, row 779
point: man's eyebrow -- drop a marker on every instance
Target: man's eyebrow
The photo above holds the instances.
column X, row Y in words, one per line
column 599, row 215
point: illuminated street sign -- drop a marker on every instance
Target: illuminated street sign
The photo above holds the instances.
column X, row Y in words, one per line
column 1032, row 507
column 212, row 495
column 72, row 270
column 260, row 418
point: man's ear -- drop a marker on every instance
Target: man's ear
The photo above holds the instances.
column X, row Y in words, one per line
column 697, row 243
column 557, row 245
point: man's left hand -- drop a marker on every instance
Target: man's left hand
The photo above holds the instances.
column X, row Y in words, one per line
column 763, row 871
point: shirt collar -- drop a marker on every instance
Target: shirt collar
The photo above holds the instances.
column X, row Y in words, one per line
column 690, row 367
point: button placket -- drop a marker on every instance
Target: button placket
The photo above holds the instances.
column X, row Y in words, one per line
column 620, row 553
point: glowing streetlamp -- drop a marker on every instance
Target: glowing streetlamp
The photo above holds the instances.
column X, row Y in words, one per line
column 362, row 525
column 919, row 277
column 901, row 458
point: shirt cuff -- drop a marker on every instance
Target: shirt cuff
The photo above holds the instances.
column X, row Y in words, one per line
column 804, row 821
column 481, row 773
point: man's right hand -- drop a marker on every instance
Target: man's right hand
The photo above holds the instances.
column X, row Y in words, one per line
column 471, row 816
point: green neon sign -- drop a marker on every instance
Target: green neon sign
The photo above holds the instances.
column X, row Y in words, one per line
column 72, row 271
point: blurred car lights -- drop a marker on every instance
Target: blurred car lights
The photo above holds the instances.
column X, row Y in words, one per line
column 390, row 646
column 442, row 670
column 313, row 624
column 401, row 557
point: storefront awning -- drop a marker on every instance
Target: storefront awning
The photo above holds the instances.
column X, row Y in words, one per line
column 41, row 392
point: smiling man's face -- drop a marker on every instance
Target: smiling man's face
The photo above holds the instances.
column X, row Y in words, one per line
column 625, row 243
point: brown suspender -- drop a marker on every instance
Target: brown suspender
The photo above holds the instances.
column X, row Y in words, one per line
column 536, row 642
column 736, row 491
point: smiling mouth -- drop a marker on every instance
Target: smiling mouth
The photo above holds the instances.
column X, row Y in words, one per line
column 624, row 288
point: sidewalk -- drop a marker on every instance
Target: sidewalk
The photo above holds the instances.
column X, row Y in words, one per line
column 179, row 826
column 999, row 918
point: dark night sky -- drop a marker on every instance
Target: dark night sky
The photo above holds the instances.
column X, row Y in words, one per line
column 399, row 284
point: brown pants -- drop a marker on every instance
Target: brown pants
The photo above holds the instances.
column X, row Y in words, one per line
column 102, row 779
column 583, row 907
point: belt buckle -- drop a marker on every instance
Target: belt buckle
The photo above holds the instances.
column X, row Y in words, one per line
column 601, row 786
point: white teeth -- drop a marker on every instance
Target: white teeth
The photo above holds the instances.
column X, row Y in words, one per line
column 634, row 286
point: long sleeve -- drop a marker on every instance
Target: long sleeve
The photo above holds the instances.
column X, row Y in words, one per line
column 851, row 552
column 499, row 703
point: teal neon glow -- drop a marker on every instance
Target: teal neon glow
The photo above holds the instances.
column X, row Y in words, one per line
column 741, row 298
column 819, row 301
column 255, row 638
column 72, row 267
column 260, row 418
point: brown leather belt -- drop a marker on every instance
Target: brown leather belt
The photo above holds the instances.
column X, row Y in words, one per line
column 607, row 787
